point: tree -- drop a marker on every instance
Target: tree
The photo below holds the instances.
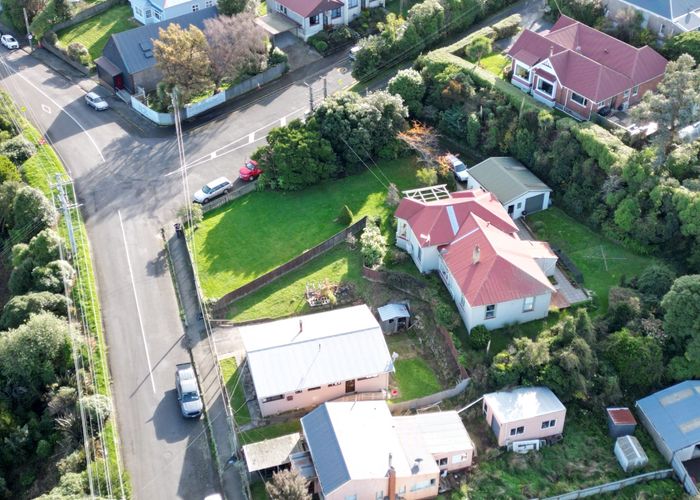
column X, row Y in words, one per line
column 373, row 245
column 34, row 355
column 232, row 7
column 625, row 24
column 45, row 247
column 236, row 46
column 685, row 43
column 478, row 48
column 182, row 56
column 8, row 191
column 682, row 308
column 17, row 150
column 674, row 104
column 656, row 280
column 638, row 361
column 409, row 84
column 62, row 8
column 296, row 156
column 19, row 308
column 424, row 141
column 427, row 176
column 287, row 485
column 8, row 170
column 32, row 213
column 53, row 277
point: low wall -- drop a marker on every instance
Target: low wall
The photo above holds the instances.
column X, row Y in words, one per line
column 192, row 110
column 86, row 14
column 237, row 193
column 454, row 353
column 614, row 486
column 55, row 51
column 429, row 400
column 285, row 268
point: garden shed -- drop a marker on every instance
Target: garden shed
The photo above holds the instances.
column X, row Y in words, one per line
column 630, row 453
column 394, row 317
column 621, row 422
column 269, row 456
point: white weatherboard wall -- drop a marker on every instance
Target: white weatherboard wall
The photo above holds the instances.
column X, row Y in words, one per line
column 426, row 258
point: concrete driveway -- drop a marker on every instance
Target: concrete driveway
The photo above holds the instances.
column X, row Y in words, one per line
column 299, row 53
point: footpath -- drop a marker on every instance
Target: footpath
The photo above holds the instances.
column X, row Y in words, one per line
column 219, row 419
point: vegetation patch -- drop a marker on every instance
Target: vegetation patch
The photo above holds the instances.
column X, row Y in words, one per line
column 269, row 432
column 415, row 379
column 495, row 63
column 234, row 385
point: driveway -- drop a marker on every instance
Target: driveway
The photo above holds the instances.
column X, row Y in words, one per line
column 299, row 53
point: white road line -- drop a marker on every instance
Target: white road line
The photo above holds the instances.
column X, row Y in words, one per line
column 136, row 299
column 251, row 138
column 216, row 154
column 283, row 121
column 57, row 105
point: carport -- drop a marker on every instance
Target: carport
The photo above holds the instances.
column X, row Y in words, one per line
column 276, row 24
column 109, row 73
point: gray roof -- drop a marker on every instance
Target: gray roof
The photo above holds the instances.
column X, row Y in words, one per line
column 271, row 452
column 523, row 403
column 507, row 178
column 670, row 9
column 391, row 311
column 135, row 47
column 675, row 414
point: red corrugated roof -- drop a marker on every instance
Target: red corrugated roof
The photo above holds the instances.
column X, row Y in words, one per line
column 587, row 61
column 307, row 8
column 621, row 416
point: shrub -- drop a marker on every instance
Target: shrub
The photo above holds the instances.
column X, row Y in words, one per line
column 45, row 247
column 345, row 217
column 320, row 46
column 8, row 170
column 373, row 245
column 479, row 337
column 79, row 53
column 445, row 314
column 656, row 280
column 18, row 149
column 427, row 176
column 43, row 449
column 21, row 278
column 75, row 462
column 51, row 38
column 21, row 307
column 277, row 56
column 409, row 84
column 53, row 277
column 341, row 35
column 97, row 406
column 507, row 27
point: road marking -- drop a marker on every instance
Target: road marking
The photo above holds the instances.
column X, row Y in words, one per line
column 283, row 121
column 46, row 108
column 136, row 299
column 57, row 105
column 251, row 138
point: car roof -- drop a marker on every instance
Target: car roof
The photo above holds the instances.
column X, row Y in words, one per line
column 8, row 36
column 454, row 159
column 93, row 94
column 217, row 181
column 188, row 385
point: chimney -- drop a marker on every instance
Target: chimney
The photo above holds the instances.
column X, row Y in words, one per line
column 578, row 48
column 476, row 254
column 301, row 326
column 551, row 50
column 391, row 489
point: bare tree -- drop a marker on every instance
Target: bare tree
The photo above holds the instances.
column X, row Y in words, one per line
column 424, row 141
column 236, row 46
column 288, row 485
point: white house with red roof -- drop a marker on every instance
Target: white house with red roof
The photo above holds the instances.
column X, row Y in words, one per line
column 311, row 16
column 494, row 277
column 580, row 70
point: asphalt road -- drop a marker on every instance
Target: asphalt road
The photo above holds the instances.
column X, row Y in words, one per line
column 129, row 187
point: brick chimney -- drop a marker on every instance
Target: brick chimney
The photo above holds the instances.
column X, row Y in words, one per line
column 476, row 254
column 391, row 474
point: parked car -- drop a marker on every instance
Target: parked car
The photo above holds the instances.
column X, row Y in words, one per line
column 95, row 101
column 458, row 168
column 250, row 171
column 353, row 52
column 9, row 42
column 213, row 189
column 188, row 391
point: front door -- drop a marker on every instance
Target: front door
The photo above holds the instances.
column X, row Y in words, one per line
column 349, row 386
column 118, row 81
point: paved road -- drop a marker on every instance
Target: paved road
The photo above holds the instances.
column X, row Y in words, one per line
column 130, row 188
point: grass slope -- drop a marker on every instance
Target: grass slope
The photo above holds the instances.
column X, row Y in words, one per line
column 415, row 379
column 586, row 248
column 269, row 432
column 95, row 32
column 230, row 373
column 260, row 231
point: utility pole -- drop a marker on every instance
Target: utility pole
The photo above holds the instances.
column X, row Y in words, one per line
column 65, row 206
column 311, row 97
column 325, row 88
column 26, row 23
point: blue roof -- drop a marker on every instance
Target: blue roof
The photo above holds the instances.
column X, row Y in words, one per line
column 325, row 449
column 670, row 9
column 675, row 414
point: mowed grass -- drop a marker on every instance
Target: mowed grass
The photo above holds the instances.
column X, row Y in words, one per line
column 95, row 32
column 231, row 373
column 495, row 63
column 415, row 379
column 262, row 230
column 269, row 432
column 590, row 251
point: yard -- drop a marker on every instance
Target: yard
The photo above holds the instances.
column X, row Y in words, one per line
column 601, row 261
column 230, row 373
column 495, row 63
column 260, row 231
column 95, row 32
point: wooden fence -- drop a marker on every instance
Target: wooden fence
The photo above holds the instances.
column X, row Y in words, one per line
column 285, row 268
column 414, row 404
column 614, row 486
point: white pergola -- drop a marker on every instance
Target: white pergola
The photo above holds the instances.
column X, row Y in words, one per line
column 428, row 194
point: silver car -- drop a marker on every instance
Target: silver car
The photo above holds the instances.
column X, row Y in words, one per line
column 188, row 391
column 9, row 42
column 211, row 190
column 95, row 101
column 458, row 168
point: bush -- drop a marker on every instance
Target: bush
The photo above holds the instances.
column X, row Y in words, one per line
column 51, row 38
column 373, row 245
column 277, row 56
column 656, row 280
column 408, row 84
column 45, row 247
column 79, row 53
column 21, row 280
column 43, row 449
column 507, row 27
column 427, row 176
column 18, row 309
column 341, row 35
column 18, row 149
column 75, row 462
column 345, row 217
column 8, row 170
column 319, row 45
column 479, row 337
column 53, row 277
column 97, row 406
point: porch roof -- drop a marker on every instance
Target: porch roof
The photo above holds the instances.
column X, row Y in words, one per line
column 274, row 23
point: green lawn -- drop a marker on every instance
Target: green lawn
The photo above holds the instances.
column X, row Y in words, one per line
column 229, row 370
column 269, row 432
column 586, row 249
column 95, row 32
column 257, row 489
column 415, row 379
column 495, row 63
column 262, row 230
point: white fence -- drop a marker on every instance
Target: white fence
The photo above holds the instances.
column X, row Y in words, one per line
column 245, row 189
column 614, row 486
column 154, row 116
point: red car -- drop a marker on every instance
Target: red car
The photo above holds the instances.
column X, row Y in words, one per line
column 250, row 171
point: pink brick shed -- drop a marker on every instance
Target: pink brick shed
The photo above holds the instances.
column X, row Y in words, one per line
column 524, row 413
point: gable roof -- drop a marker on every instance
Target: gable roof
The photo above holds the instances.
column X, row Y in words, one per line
column 523, row 403
column 308, row 8
column 507, row 178
column 316, row 349
column 669, row 9
column 674, row 413
column 438, row 222
column 438, row 432
column 587, row 61
column 506, row 268
column 165, row 4
column 135, row 46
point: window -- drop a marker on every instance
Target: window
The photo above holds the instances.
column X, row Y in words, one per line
column 195, row 7
column 519, row 205
column 486, row 409
column 290, row 397
column 661, row 29
column 420, row 254
column 528, row 304
column 273, row 398
column 458, row 459
column 522, row 72
column 432, row 482
column 138, row 11
column 379, row 495
column 335, row 13
column 333, row 385
column 627, row 93
column 515, row 431
column 442, row 461
column 545, row 87
column 422, row 485
column 402, row 230
column 313, row 20
column 313, row 388
column 350, row 497
column 402, row 490
column 367, row 378
column 635, row 90
column 148, row 13
column 157, row 15
column 548, row 423
column 352, row 4
column 281, row 8
column 579, row 99
column 298, row 392
column 209, row 3
column 490, row 311
column 462, row 302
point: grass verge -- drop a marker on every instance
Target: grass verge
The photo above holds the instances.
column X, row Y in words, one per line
column 256, row 233
column 231, row 373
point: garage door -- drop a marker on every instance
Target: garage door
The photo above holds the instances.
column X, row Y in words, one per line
column 534, row 204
